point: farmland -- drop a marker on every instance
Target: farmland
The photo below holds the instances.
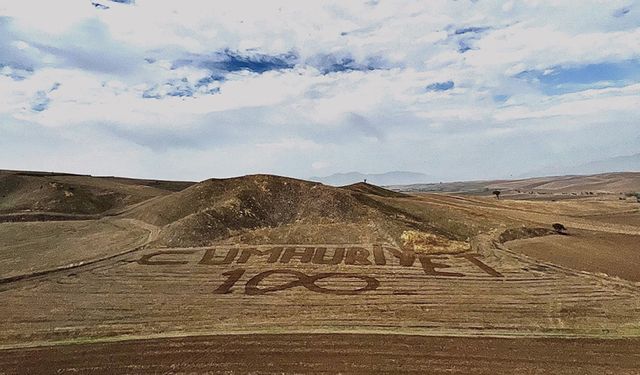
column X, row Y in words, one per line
column 242, row 262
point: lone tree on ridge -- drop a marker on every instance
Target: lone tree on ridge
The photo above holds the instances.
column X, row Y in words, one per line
column 497, row 194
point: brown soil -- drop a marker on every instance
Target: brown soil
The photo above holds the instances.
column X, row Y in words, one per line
column 338, row 353
column 609, row 253
column 627, row 218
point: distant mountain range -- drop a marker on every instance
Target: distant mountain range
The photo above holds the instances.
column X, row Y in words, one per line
column 381, row 179
column 628, row 163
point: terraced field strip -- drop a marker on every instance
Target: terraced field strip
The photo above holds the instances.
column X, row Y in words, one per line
column 248, row 288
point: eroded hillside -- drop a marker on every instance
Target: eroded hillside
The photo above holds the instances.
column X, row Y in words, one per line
column 272, row 209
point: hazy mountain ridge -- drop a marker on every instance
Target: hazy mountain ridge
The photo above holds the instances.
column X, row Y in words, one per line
column 625, row 163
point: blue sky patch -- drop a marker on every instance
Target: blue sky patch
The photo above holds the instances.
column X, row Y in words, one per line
column 465, row 36
column 182, row 88
column 621, row 12
column 471, row 29
column 463, row 46
column 215, row 77
column 440, row 86
column 229, row 61
column 40, row 101
column 99, row 6
column 151, row 93
column 334, row 63
column 15, row 73
column 560, row 80
column 500, row 98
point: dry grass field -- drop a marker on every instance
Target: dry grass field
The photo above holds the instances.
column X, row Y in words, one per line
column 447, row 282
column 33, row 247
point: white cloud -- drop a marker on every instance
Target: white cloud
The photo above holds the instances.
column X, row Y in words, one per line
column 349, row 78
column 320, row 165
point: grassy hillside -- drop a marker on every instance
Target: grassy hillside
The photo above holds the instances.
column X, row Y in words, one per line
column 262, row 208
column 28, row 192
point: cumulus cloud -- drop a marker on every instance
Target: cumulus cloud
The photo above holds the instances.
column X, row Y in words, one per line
column 210, row 89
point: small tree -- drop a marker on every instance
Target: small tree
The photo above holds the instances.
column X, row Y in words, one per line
column 559, row 228
column 497, row 194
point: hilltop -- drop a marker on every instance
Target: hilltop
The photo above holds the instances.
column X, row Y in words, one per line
column 273, row 209
column 388, row 178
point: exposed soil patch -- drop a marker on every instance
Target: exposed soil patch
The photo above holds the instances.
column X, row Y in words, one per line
column 332, row 353
column 610, row 253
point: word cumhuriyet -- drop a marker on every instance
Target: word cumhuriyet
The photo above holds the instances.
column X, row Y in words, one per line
column 378, row 255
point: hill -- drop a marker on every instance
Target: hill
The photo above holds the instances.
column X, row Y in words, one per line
column 273, row 209
column 365, row 188
column 388, row 178
column 24, row 194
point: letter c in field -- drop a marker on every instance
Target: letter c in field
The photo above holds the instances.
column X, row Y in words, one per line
column 146, row 259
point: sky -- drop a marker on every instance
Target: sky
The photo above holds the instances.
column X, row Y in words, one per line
column 191, row 90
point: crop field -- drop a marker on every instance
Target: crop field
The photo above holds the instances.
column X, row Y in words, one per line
column 464, row 284
column 355, row 288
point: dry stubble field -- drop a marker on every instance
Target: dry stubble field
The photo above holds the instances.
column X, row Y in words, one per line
column 510, row 306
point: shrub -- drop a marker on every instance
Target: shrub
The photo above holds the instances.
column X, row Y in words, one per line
column 559, row 228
